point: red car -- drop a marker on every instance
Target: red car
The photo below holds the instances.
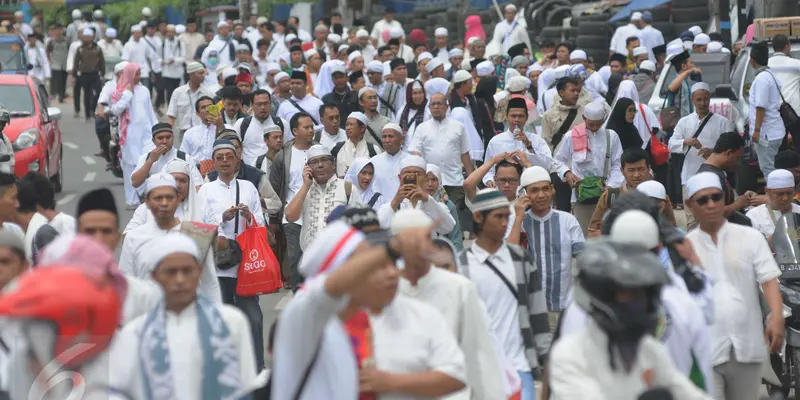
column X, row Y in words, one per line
column 33, row 131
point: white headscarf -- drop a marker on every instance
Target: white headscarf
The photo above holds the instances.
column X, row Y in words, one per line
column 324, row 83
column 597, row 83
column 461, row 114
column 627, row 89
column 546, row 78
column 359, row 195
column 192, row 205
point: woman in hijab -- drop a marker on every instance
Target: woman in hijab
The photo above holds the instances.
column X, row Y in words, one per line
column 621, row 122
column 361, row 176
column 613, row 85
column 645, row 119
column 435, row 190
column 597, row 84
column 484, row 115
column 415, row 111
column 474, row 28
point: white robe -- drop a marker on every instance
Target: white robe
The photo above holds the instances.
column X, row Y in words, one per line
column 185, row 354
column 387, row 172
column 457, row 299
column 139, row 139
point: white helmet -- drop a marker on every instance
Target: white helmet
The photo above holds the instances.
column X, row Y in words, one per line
column 76, row 14
column 98, row 14
column 146, row 12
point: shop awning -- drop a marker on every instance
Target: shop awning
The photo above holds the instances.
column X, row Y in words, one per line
column 636, row 5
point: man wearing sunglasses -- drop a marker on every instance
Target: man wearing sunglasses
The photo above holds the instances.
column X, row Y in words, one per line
column 736, row 257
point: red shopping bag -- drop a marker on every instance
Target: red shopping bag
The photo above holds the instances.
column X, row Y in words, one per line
column 259, row 271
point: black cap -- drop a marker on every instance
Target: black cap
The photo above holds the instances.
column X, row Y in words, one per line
column 99, row 199
column 516, row 102
column 393, row 42
column 161, row 127
column 660, row 49
column 396, row 62
column 296, row 74
column 295, row 48
column 516, row 50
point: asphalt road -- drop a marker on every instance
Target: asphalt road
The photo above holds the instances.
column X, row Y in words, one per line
column 84, row 172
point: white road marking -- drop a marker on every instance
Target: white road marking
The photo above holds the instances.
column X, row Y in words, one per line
column 89, row 160
column 284, row 301
column 89, row 176
column 71, row 146
column 66, row 199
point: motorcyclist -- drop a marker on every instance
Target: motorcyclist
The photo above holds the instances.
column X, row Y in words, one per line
column 6, row 151
column 615, row 356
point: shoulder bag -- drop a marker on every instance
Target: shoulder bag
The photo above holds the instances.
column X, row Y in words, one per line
column 670, row 114
column 659, row 152
column 302, row 110
column 564, row 127
column 789, row 116
column 231, row 256
column 591, row 188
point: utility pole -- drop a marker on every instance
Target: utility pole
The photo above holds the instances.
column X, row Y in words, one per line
column 244, row 11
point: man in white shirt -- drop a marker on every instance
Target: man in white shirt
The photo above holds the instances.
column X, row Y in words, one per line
column 444, row 142
column 112, row 47
column 622, row 33
column 780, row 191
column 222, row 208
column 330, row 134
column 511, row 30
column 137, row 51
column 321, row 192
column 186, row 333
column 273, row 138
column 739, row 261
column 300, row 100
column 412, row 194
column 220, row 51
column 9, row 204
column 786, row 69
column 388, row 164
column 198, row 141
column 26, row 215
column 182, row 109
column 356, row 144
column 766, row 125
column 173, row 55
column 589, row 150
column 46, row 202
column 192, row 39
column 164, row 151
column 649, row 35
column 388, row 22
column 154, row 42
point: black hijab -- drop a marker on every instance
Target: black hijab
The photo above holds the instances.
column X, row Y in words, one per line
column 627, row 132
column 418, row 117
column 613, row 84
column 485, row 91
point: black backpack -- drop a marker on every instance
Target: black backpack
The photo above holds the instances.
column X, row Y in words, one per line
column 370, row 149
column 246, row 124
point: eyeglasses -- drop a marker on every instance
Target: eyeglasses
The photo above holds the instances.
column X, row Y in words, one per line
column 702, row 201
column 316, row 161
column 438, row 104
column 225, row 157
column 507, row 181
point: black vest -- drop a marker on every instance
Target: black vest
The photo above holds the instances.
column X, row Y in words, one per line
column 246, row 172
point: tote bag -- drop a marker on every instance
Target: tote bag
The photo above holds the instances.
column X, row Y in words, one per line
column 259, row 271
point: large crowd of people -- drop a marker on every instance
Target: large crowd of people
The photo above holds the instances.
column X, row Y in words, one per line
column 461, row 219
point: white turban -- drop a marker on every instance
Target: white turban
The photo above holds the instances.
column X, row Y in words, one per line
column 317, row 150
column 647, row 65
column 393, row 127
column 396, row 32
column 192, row 206
column 436, row 86
column 780, row 179
column 455, row 53
column 653, row 188
column 86, row 32
column 635, row 227
column 703, row 180
column 352, row 57
column 362, row 33
column 221, row 24
column 409, row 218
column 308, row 54
column 363, row 90
column 279, row 76
column 696, row 30
column 637, row 16
column 700, row 86
column 120, row 66
column 534, row 174
column 461, row 76
column 511, row 7
column 702, row 39
column 594, row 111
column 433, row 64
column 179, row 29
column 714, row 47
column 162, row 246
column 637, row 51
column 332, row 37
column 273, row 66
column 424, row 56
column 578, row 55
column 375, row 66
column 413, row 160
column 485, row 68
column 160, row 179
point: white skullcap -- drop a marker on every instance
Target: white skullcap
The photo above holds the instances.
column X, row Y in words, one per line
column 396, row 32
column 136, row 28
column 440, row 31
column 465, row 65
column 161, row 247
column 780, row 179
column 461, row 76
column 455, row 52
column 262, row 20
column 363, row 90
column 413, row 160
column 242, row 47
column 433, row 64
column 637, row 16
column 673, row 49
column 653, row 188
column 146, row 12
column 321, row 28
column 317, row 150
column 375, row 66
column 647, row 65
column 393, row 127
column 272, row 128
column 194, row 66
column 702, row 180
column 88, row 32
column 357, row 115
column 288, row 38
column 178, row 166
column 700, row 86
column 158, row 180
column 594, row 111
column 352, row 57
column 436, row 86
column 511, row 7
column 578, row 55
column 714, row 47
column 229, row 72
column 635, row 227
column 696, row 30
column 120, row 66
column 472, row 40
column 220, row 24
column 534, row 174
column 702, row 39
column 362, row 33
column 332, row 37
column 335, row 243
column 637, row 51
column 273, row 66
column 111, row 32
column 76, row 14
column 724, row 50
column 485, row 68
column 536, row 67
column 19, row 13
column 424, row 56
column 343, row 47
column 517, row 84
column 309, row 53
column 409, row 218
column 279, row 76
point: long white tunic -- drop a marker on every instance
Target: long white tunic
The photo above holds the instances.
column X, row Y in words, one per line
column 387, row 172
column 410, row 336
column 443, row 143
column 787, row 71
column 185, row 353
column 594, row 162
column 37, row 57
column 198, row 141
column 174, row 54
column 221, row 47
column 764, row 222
column 142, row 54
column 139, row 138
column 457, row 299
column 651, row 37
column 309, row 103
column 505, row 142
column 622, row 33
column 685, row 129
column 162, row 162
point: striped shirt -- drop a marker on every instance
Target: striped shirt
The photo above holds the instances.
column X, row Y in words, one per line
column 553, row 241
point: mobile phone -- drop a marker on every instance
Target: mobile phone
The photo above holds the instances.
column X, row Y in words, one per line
column 516, row 158
column 214, row 110
column 409, row 180
column 552, row 56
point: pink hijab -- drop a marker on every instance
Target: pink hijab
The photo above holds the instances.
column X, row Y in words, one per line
column 474, row 28
column 386, row 36
column 123, row 83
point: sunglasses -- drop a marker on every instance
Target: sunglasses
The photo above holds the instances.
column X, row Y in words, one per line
column 702, row 201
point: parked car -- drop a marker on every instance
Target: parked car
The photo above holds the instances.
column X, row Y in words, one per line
column 33, row 131
column 12, row 54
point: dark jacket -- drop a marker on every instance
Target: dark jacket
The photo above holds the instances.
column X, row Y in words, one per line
column 89, row 59
column 340, row 100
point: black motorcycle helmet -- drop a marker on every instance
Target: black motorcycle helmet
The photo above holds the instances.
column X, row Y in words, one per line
column 610, row 270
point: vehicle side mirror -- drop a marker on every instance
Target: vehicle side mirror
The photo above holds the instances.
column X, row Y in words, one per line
column 54, row 113
column 725, row 91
